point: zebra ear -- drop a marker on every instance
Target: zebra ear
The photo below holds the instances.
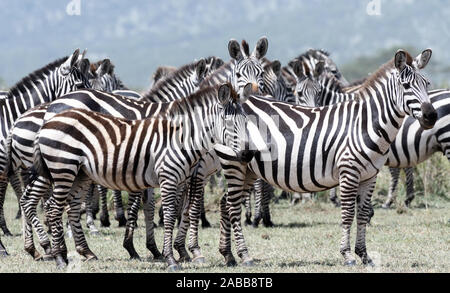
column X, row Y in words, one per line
column 235, row 50
column 245, row 48
column 84, row 66
column 422, row 60
column 320, row 68
column 400, row 60
column 276, row 67
column 70, row 62
column 224, row 94
column 261, row 48
column 218, row 63
column 298, row 70
column 103, row 68
column 83, row 54
column 200, row 68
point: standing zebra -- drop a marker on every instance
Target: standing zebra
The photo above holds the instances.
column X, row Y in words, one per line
column 26, row 128
column 43, row 85
column 414, row 144
column 314, row 149
column 164, row 151
column 117, row 106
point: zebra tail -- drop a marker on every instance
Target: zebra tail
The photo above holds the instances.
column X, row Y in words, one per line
column 39, row 167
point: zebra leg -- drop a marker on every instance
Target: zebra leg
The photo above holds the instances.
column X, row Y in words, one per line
column 195, row 210
column 268, row 193
column 180, row 239
column 3, row 251
column 168, row 196
column 118, row 205
column 349, row 188
column 225, row 233
column 409, row 172
column 89, row 210
column 395, row 175
column 17, row 187
column 258, row 189
column 104, row 215
column 55, row 207
column 161, row 216
column 334, row 198
column 95, row 203
column 3, row 186
column 148, row 201
column 248, row 210
column 365, row 191
column 205, row 222
column 34, row 191
column 133, row 208
column 74, row 215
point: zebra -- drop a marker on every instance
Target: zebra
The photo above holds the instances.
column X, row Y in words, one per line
column 164, row 150
column 414, row 145
column 315, row 149
column 107, row 104
column 306, row 92
column 43, row 85
column 26, row 128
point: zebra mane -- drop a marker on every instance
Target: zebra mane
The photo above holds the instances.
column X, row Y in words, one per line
column 314, row 53
column 180, row 106
column 222, row 70
column 27, row 81
column 177, row 74
column 383, row 70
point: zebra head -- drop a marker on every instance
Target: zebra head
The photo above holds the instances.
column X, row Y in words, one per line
column 233, row 120
column 413, row 87
column 307, row 90
column 103, row 78
column 247, row 67
column 313, row 56
column 71, row 76
column 274, row 84
column 213, row 63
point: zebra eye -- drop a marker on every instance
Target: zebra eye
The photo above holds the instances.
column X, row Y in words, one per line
column 407, row 86
column 238, row 75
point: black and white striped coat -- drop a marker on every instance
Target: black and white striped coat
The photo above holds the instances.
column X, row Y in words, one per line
column 313, row 149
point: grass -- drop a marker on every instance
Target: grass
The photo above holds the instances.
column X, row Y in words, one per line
column 306, row 239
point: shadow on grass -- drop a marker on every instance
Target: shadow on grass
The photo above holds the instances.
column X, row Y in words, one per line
column 302, row 225
column 303, row 263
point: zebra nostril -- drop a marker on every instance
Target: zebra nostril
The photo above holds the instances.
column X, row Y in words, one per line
column 429, row 115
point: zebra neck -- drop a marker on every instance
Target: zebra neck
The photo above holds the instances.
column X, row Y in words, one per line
column 379, row 118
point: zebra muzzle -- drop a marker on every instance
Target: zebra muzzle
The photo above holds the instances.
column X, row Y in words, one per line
column 429, row 116
column 246, row 156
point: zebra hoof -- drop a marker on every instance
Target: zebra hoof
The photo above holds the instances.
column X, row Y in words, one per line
column 174, row 268
column 3, row 253
column 135, row 257
column 91, row 258
column 60, row 262
column 159, row 258
column 248, row 263
column 94, row 232
column 350, row 263
column 185, row 258
column 369, row 263
column 48, row 257
column 18, row 216
column 231, row 263
column 122, row 221
column 199, row 260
